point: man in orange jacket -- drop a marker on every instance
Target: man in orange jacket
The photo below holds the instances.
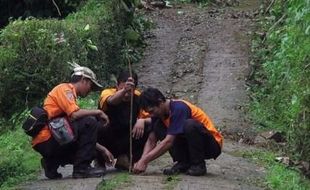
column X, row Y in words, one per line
column 62, row 101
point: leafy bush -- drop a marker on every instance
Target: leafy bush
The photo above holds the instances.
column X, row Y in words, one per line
column 34, row 53
column 23, row 9
column 34, row 60
column 278, row 176
column 281, row 96
column 17, row 160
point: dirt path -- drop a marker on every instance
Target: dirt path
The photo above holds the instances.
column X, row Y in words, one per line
column 200, row 55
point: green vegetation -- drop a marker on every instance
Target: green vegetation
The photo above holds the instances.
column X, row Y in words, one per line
column 10, row 9
column 114, row 183
column 278, row 176
column 34, row 56
column 280, row 86
column 171, row 181
column 18, row 162
column 34, row 53
column 193, row 1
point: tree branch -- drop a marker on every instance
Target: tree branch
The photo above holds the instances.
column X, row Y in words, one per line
column 56, row 7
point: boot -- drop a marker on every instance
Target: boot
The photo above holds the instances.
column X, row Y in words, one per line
column 49, row 170
column 179, row 167
column 197, row 169
column 87, row 172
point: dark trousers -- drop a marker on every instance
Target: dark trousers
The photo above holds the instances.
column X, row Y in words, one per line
column 116, row 140
column 80, row 153
column 193, row 146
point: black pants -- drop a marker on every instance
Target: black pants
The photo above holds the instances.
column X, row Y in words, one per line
column 193, row 146
column 116, row 140
column 80, row 153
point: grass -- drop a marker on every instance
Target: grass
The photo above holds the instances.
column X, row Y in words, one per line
column 278, row 175
column 171, row 181
column 280, row 89
column 18, row 162
column 114, row 183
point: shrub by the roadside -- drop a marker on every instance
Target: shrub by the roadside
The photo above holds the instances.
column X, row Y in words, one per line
column 17, row 160
column 281, row 87
column 34, row 53
column 10, row 9
column 34, row 59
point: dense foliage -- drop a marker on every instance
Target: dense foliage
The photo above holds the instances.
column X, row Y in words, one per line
column 17, row 160
column 13, row 9
column 281, row 84
column 103, row 35
column 278, row 176
column 34, row 53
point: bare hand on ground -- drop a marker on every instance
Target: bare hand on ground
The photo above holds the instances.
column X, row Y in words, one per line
column 139, row 167
column 106, row 154
column 108, row 157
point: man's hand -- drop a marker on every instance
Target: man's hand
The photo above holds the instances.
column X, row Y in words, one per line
column 105, row 118
column 138, row 129
column 108, row 157
column 140, row 167
column 129, row 84
column 106, row 154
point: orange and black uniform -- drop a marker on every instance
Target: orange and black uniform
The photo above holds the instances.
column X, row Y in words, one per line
column 116, row 137
column 196, row 137
column 61, row 101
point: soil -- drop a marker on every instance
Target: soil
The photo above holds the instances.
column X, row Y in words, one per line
column 201, row 55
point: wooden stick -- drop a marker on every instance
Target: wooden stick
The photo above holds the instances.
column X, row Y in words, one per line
column 131, row 116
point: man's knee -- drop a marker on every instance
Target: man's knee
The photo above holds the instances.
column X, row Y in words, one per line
column 89, row 121
column 190, row 125
column 85, row 125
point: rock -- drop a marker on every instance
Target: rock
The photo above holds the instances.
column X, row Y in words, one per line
column 276, row 136
column 159, row 4
column 259, row 140
column 284, row 160
column 304, row 166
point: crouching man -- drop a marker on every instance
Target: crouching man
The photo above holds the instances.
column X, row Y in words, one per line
column 115, row 102
column 62, row 101
column 183, row 129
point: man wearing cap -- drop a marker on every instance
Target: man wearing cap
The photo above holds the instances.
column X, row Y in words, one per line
column 62, row 101
column 115, row 102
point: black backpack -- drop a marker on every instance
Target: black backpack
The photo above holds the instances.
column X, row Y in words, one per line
column 36, row 120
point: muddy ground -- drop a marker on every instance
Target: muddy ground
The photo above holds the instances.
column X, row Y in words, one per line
column 201, row 55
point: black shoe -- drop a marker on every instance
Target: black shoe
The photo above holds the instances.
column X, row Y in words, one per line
column 197, row 170
column 50, row 171
column 87, row 172
column 179, row 167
